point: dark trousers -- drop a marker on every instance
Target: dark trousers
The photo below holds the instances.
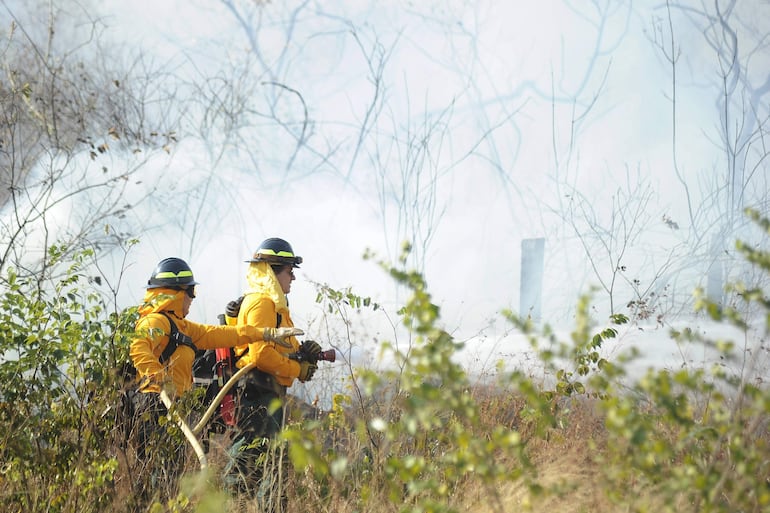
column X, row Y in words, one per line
column 257, row 466
column 159, row 449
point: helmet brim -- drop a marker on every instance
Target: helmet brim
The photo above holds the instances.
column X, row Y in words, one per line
column 172, row 287
column 273, row 260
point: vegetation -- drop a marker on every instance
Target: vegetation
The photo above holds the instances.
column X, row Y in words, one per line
column 82, row 121
column 421, row 437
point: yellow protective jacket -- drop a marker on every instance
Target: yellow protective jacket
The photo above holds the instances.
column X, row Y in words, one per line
column 152, row 333
column 261, row 305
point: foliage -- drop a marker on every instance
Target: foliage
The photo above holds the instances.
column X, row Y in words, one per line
column 77, row 124
column 58, row 350
column 419, row 437
column 698, row 437
column 421, row 449
column 692, row 439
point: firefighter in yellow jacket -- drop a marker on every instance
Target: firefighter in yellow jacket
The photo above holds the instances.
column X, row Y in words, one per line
column 162, row 353
column 261, row 393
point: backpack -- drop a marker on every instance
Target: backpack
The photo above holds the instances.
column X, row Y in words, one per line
column 212, row 368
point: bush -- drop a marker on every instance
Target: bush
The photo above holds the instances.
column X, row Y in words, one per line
column 59, row 349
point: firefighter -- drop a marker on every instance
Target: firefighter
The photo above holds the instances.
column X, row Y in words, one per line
column 163, row 352
column 253, row 467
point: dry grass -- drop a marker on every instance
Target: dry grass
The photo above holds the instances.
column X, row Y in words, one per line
column 564, row 460
column 570, row 463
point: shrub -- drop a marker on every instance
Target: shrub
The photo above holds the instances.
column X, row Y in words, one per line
column 58, row 348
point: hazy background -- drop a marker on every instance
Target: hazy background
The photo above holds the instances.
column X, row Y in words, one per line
column 628, row 134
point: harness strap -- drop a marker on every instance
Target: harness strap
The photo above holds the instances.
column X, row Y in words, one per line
column 175, row 339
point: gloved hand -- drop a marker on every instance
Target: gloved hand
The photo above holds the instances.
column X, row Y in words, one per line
column 311, row 349
column 306, row 371
column 279, row 335
column 233, row 307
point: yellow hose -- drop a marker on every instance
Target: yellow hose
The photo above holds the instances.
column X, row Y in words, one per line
column 185, row 429
column 218, row 399
column 192, row 434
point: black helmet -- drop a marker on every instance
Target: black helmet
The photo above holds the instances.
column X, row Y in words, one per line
column 171, row 273
column 276, row 251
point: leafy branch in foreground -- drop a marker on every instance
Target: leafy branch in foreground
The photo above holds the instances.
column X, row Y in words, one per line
column 430, row 441
column 55, row 367
column 696, row 437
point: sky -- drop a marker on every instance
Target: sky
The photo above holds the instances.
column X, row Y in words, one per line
column 490, row 122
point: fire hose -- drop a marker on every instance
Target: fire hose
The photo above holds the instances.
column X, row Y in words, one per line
column 192, row 433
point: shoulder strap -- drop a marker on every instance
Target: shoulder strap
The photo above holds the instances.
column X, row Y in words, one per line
column 174, row 341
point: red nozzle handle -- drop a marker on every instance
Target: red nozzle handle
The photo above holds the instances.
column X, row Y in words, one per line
column 330, row 355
